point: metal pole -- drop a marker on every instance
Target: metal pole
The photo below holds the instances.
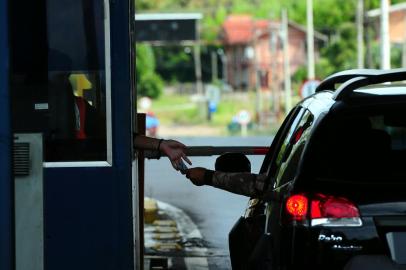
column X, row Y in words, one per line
column 223, row 58
column 275, row 87
column 385, row 43
column 286, row 62
column 258, row 98
column 214, row 72
column 360, row 33
column 6, row 180
column 310, row 41
column 198, row 65
column 198, row 68
column 369, row 60
column 198, row 72
column 141, row 129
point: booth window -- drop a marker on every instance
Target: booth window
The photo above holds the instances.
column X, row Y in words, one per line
column 59, row 82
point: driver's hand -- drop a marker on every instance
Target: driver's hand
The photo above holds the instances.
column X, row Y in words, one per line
column 196, row 175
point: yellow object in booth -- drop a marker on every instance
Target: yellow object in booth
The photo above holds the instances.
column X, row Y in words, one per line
column 79, row 83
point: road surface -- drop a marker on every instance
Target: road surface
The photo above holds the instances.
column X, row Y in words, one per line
column 214, row 211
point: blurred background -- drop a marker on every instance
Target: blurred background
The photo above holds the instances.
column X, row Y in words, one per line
column 204, row 64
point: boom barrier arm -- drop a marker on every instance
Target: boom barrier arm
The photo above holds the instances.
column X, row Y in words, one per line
column 195, row 151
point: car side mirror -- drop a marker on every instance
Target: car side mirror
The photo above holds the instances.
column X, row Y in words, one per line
column 233, row 162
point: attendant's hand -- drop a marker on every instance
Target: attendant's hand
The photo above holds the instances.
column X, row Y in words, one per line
column 175, row 152
column 196, row 175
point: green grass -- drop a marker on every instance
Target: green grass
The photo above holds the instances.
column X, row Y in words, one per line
column 175, row 109
column 172, row 109
column 180, row 109
column 229, row 107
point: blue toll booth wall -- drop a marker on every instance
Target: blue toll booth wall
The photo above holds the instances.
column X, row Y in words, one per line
column 6, row 187
column 88, row 210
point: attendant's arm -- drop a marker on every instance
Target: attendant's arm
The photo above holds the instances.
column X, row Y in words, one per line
column 171, row 148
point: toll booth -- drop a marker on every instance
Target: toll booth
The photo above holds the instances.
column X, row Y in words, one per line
column 71, row 114
column 6, row 190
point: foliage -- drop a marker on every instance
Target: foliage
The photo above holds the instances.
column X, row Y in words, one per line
column 396, row 55
column 300, row 75
column 175, row 63
column 341, row 53
column 335, row 18
column 148, row 83
column 328, row 14
column 151, row 85
column 337, row 55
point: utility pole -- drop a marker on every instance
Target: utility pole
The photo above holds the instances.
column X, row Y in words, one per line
column 286, row 62
column 360, row 33
column 202, row 104
column 196, row 57
column 214, row 72
column 223, row 59
column 274, row 78
column 198, row 68
column 258, row 98
column 368, row 38
column 310, row 41
column 385, row 44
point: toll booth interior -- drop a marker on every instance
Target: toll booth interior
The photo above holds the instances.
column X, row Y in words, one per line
column 72, row 96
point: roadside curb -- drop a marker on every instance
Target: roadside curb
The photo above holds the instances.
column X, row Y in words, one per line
column 173, row 235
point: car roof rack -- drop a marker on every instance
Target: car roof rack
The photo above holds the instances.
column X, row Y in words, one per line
column 348, row 87
column 343, row 76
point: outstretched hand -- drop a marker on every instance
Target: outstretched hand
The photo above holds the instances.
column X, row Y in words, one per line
column 196, row 175
column 175, row 152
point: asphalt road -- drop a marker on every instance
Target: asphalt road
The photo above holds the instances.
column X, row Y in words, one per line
column 214, row 211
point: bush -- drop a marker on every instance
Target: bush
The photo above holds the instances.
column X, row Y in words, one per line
column 150, row 85
column 148, row 82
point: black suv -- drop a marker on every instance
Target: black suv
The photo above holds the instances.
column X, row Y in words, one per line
column 336, row 196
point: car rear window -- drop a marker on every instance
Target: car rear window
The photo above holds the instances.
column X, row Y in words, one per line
column 368, row 146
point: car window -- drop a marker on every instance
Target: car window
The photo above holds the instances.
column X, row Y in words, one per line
column 385, row 125
column 366, row 146
column 278, row 137
column 281, row 141
column 288, row 162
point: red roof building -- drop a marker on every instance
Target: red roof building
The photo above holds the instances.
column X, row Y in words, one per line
column 248, row 47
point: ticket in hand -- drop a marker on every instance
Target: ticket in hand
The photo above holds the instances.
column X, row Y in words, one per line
column 182, row 167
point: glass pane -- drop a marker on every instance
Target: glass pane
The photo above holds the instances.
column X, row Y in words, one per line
column 61, row 90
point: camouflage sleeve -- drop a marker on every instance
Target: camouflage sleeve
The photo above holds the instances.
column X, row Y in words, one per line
column 248, row 184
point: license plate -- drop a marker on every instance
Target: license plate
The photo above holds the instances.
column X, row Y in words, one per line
column 397, row 246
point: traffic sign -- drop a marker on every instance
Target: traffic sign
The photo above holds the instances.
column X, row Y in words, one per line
column 243, row 117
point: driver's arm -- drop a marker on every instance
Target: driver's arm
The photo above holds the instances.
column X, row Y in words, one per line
column 243, row 183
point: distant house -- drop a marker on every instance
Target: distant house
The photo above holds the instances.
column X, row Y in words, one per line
column 397, row 22
column 248, row 47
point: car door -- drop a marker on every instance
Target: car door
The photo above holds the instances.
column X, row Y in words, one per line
column 244, row 236
column 283, row 169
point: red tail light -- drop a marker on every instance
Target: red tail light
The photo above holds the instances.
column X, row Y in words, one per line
column 332, row 207
column 297, row 206
column 324, row 210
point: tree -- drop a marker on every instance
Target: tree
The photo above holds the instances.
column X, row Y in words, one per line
column 148, row 83
column 340, row 53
